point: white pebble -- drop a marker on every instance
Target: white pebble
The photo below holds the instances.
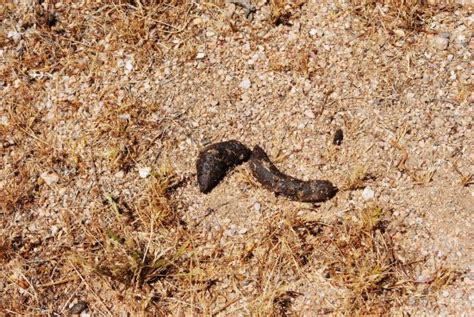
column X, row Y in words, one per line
column 313, row 32
column 368, row 194
column 124, row 116
column 129, row 65
column 257, row 206
column 14, row 35
column 309, row 114
column 119, row 174
column 461, row 39
column 49, row 178
column 144, row 172
column 440, row 42
column 200, row 55
column 4, row 120
column 245, row 84
column 54, row 230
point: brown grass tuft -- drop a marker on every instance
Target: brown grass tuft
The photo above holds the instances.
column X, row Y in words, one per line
column 411, row 15
column 360, row 255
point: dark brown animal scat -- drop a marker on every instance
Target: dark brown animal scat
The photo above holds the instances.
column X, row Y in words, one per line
column 271, row 178
column 216, row 160
column 338, row 137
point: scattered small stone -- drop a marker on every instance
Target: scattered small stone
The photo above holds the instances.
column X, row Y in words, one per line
column 49, row 178
column 313, row 32
column 257, row 206
column 119, row 174
column 461, row 39
column 129, row 65
column 243, row 231
column 124, row 116
column 200, row 55
column 144, row 172
column 245, row 84
column 441, row 41
column 471, row 98
column 14, row 35
column 368, row 194
column 4, row 120
column 78, row 307
column 54, row 230
column 310, row 114
column 399, row 32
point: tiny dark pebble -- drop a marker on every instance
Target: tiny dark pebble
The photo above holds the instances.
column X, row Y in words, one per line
column 216, row 160
column 78, row 307
column 52, row 20
column 338, row 137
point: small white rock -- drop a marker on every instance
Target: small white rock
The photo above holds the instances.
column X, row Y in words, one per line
column 399, row 32
column 14, row 35
column 313, row 32
column 129, row 65
column 49, row 178
column 257, row 206
column 119, row 174
column 440, row 42
column 54, row 230
column 368, row 193
column 453, row 76
column 461, row 40
column 243, row 231
column 4, row 120
column 144, row 172
column 245, row 84
column 124, row 116
column 310, row 114
column 200, row 55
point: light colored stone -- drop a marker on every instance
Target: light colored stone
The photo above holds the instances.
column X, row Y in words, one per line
column 310, row 114
column 14, row 35
column 4, row 120
column 245, row 83
column 368, row 193
column 440, row 42
column 49, row 178
column 257, row 206
column 119, row 174
column 144, row 172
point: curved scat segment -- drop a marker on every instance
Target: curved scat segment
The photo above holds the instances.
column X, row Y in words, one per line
column 272, row 179
column 216, row 160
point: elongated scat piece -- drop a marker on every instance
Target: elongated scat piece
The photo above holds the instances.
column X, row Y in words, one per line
column 216, row 160
column 272, row 179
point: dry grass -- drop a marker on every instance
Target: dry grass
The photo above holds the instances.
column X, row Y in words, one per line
column 395, row 15
column 360, row 254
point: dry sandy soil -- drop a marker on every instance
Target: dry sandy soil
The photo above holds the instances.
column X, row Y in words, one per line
column 104, row 108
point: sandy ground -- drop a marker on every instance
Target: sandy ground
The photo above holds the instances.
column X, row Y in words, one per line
column 92, row 118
